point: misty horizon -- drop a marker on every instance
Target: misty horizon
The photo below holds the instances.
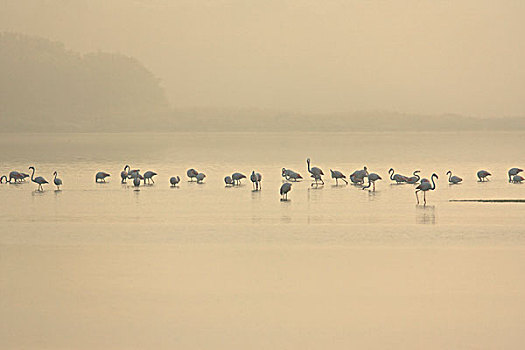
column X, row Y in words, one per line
column 406, row 57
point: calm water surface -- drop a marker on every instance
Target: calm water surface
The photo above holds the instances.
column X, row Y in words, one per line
column 102, row 266
column 88, row 212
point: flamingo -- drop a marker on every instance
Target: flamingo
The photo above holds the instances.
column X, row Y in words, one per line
column 57, row 181
column 16, row 176
column 372, row 178
column 517, row 179
column 315, row 172
column 23, row 176
column 38, row 180
column 285, row 188
column 336, row 174
column 192, row 173
column 514, row 171
column 426, row 186
column 414, row 179
column 228, row 181
column 148, row 176
column 453, row 180
column 291, row 175
column 482, row 175
column 398, row 178
column 200, row 177
column 174, row 181
column 356, row 181
column 101, row 176
column 236, row 177
column 136, row 180
column 124, row 174
column 361, row 173
column 256, row 180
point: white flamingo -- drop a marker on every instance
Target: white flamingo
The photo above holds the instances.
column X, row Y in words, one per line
column 336, row 174
column 200, row 177
column 236, row 177
column 148, row 176
column 414, row 179
column 514, row 171
column 315, row 172
column 482, row 175
column 136, row 180
column 192, row 174
column 398, row 178
column 57, row 181
column 453, row 179
column 228, row 181
column 356, row 180
column 174, row 180
column 291, row 175
column 124, row 174
column 285, row 188
column 372, row 178
column 16, row 176
column 256, row 178
column 101, row 176
column 426, row 186
column 38, row 180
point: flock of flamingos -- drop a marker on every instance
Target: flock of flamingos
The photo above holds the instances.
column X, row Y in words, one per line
column 357, row 178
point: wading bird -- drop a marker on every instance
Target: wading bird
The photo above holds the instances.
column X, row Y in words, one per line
column 228, row 181
column 148, row 176
column 124, row 174
column 482, row 175
column 291, row 175
column 57, row 181
column 336, row 174
column 200, row 177
column 514, row 171
column 192, row 174
column 101, row 176
column 236, row 177
column 453, row 180
column 174, row 181
column 426, row 186
column 517, row 179
column 372, row 178
column 16, row 176
column 414, row 179
column 315, row 172
column 256, row 178
column 136, row 180
column 38, row 180
column 398, row 178
column 285, row 188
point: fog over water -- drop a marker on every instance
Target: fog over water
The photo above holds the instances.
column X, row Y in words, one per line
column 410, row 56
column 239, row 86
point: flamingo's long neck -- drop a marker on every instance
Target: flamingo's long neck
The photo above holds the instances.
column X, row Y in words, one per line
column 391, row 171
column 449, row 176
column 33, row 174
column 417, row 175
column 308, row 162
column 433, row 183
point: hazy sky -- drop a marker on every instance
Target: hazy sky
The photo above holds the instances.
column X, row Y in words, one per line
column 418, row 56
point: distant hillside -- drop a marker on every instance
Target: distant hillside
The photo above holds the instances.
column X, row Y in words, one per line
column 43, row 87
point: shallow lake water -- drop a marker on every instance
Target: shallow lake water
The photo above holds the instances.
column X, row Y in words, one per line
column 206, row 266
